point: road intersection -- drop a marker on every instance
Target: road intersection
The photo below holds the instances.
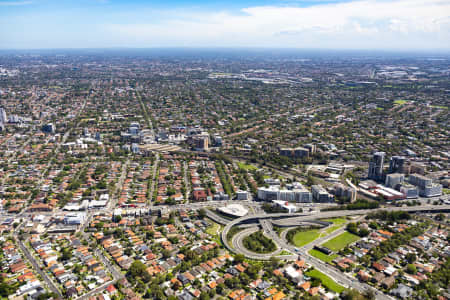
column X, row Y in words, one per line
column 264, row 221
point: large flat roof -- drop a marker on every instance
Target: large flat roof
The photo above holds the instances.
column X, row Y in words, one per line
column 234, row 210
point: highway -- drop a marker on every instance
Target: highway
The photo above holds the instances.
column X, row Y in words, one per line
column 265, row 220
column 322, row 215
column 216, row 218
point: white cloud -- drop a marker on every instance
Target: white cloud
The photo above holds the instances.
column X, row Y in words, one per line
column 357, row 24
column 14, row 3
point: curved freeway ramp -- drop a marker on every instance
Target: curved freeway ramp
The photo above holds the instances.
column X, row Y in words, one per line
column 216, row 218
column 238, row 247
column 332, row 272
column 295, row 222
column 321, row 215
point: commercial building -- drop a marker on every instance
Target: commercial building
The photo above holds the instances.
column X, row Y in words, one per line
column 201, row 142
column 431, row 190
column 376, row 166
column 420, row 180
column 298, row 152
column 409, row 191
column 49, row 128
column 272, row 181
column 134, row 128
column 268, row 194
column 220, row 196
column 241, row 195
column 388, row 193
column 345, row 192
column 233, row 210
column 397, row 164
column 217, row 140
column 3, row 117
column 297, row 193
column 425, row 185
column 393, row 180
column 74, row 218
column 311, row 148
column 286, row 206
column 418, row 168
column 320, row 194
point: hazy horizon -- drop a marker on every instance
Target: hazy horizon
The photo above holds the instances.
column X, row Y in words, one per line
column 391, row 25
column 230, row 50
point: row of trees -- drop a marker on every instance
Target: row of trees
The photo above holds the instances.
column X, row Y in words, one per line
column 358, row 204
column 393, row 216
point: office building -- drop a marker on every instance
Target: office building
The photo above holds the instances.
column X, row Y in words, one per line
column 201, row 142
column 268, row 194
column 14, row 119
column 217, row 140
column 286, row 206
column 74, row 218
column 393, row 180
column 376, row 166
column 409, row 191
column 420, row 180
column 3, row 118
column 134, row 128
column 134, row 148
column 418, row 168
column 311, row 148
column 241, row 195
column 397, row 164
column 49, row 128
column 272, row 181
column 345, row 192
column 298, row 152
column 297, row 194
column 425, row 185
column 432, row 190
column 320, row 194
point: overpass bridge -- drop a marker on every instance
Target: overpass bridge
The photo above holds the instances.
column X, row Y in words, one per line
column 296, row 218
column 266, row 221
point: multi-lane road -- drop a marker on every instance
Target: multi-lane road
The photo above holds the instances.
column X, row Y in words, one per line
column 265, row 222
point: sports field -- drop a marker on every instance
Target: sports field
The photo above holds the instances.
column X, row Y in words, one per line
column 400, row 102
column 246, row 167
column 341, row 241
column 337, row 223
column 305, row 237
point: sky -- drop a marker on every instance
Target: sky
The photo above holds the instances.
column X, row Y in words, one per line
column 307, row 24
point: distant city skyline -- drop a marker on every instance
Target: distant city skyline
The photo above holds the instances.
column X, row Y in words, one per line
column 322, row 24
